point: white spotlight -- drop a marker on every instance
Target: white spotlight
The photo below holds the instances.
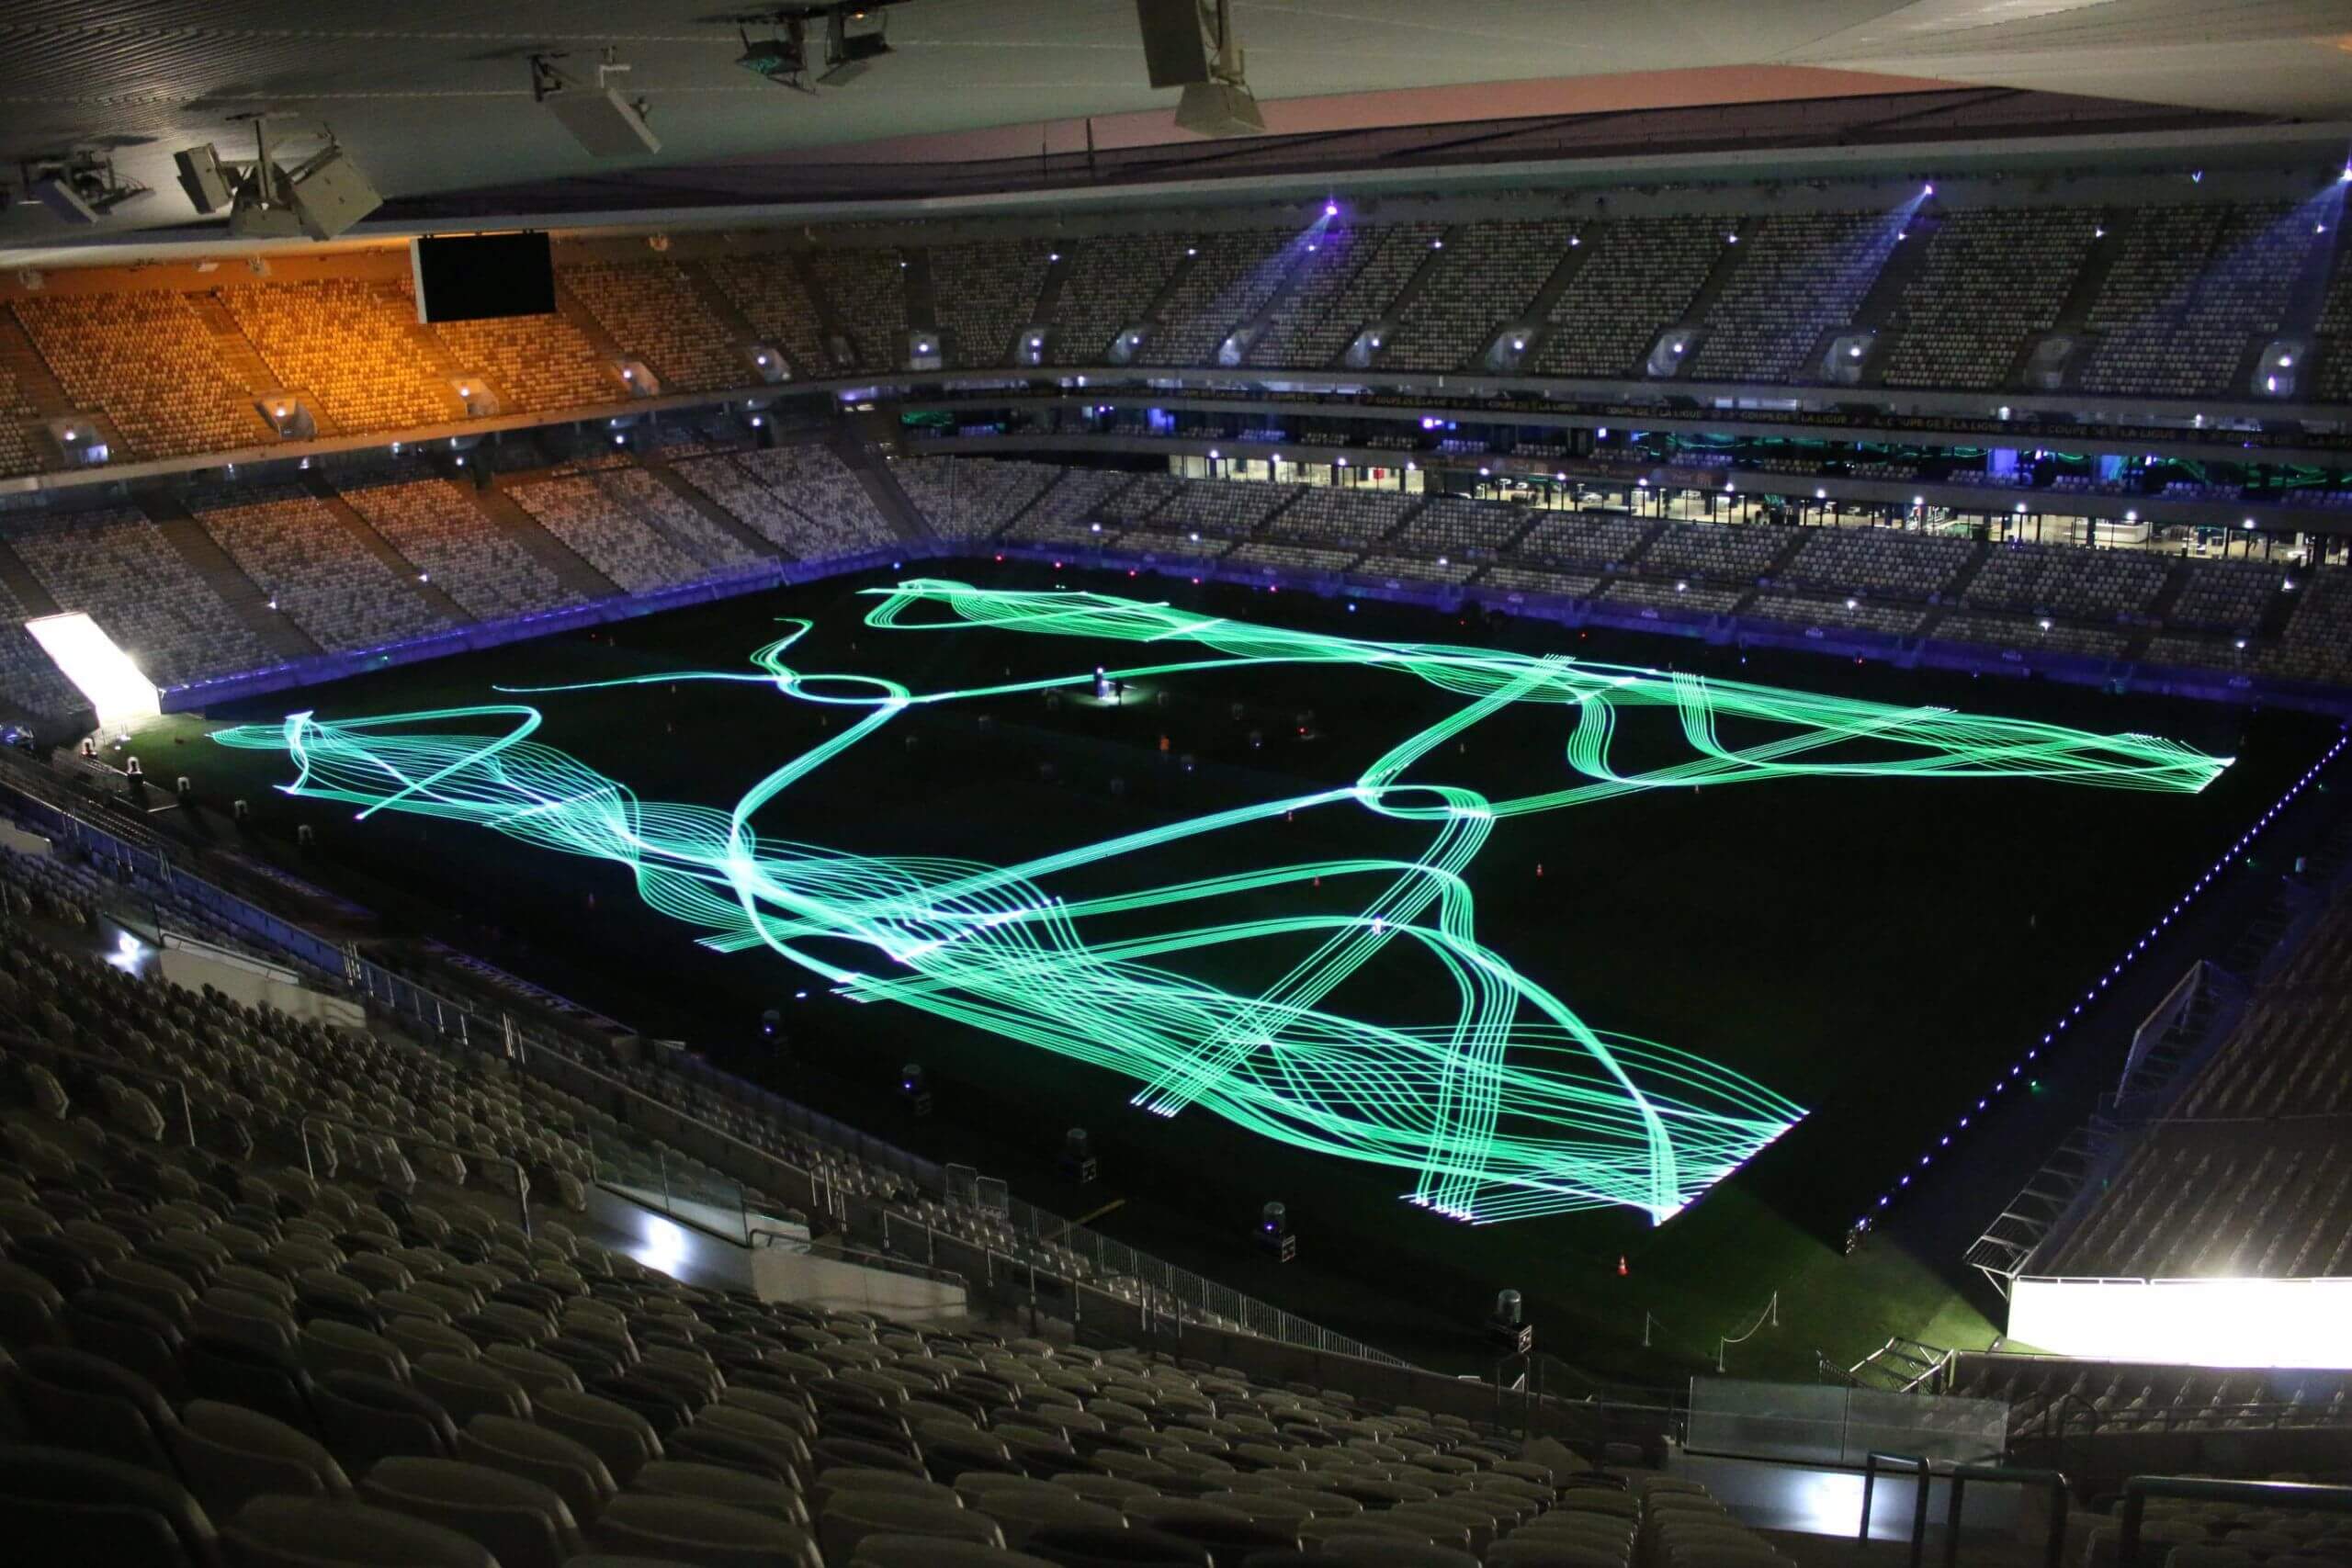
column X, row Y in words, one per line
column 102, row 671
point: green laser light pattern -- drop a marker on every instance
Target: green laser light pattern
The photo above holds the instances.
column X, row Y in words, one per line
column 1511, row 1108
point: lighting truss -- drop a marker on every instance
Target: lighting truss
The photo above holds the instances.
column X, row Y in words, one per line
column 1512, row 1107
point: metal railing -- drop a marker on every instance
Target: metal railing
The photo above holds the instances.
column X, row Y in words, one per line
column 2200, row 1488
column 1917, row 1464
column 17, row 1042
column 522, row 1179
column 2053, row 1545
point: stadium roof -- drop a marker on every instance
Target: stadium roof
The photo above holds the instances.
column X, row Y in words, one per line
column 432, row 97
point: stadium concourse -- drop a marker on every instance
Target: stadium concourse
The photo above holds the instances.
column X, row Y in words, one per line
column 1894, row 344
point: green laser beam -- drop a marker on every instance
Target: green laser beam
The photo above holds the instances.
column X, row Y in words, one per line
column 1513, row 1108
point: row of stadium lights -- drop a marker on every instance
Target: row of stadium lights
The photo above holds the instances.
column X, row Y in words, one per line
column 2017, row 1069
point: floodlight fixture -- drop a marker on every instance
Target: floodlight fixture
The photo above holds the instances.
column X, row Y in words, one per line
column 599, row 118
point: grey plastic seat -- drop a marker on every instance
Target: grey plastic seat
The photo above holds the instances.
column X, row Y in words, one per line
column 130, row 1333
column 365, row 1418
column 519, row 1521
column 79, row 1400
column 934, row 1552
column 1555, row 1551
column 849, row 1516
column 566, row 1467
column 1370, row 1551
column 467, row 1389
column 327, row 1347
column 1084, row 1546
column 301, row 1532
column 617, row 1435
column 535, row 1369
column 229, row 1455
column 717, row 1483
column 59, row 1506
column 707, row 1535
column 1022, row 1513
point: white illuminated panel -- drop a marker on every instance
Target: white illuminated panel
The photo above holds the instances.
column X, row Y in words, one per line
column 103, row 671
column 2198, row 1323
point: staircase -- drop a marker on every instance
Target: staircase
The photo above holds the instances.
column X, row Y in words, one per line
column 1712, row 287
column 1959, row 585
column 1049, row 288
column 506, row 514
column 2009, row 1242
column 30, row 594
column 1419, row 283
column 376, row 545
column 712, row 512
column 828, row 321
column 574, row 309
column 882, row 486
column 23, row 361
column 723, row 308
column 227, row 580
column 235, row 351
column 1904, row 261
column 1563, row 272
column 2077, row 311
column 922, row 299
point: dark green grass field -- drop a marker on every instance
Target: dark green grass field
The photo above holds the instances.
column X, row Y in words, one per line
column 1872, row 949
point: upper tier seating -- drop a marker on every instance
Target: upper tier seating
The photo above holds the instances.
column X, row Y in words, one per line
column 1114, row 279
column 437, row 525
column 1993, row 279
column 1318, row 321
column 1638, row 280
column 116, row 568
column 350, row 347
column 867, row 289
column 21, row 450
column 147, row 363
column 971, row 498
column 654, row 313
column 1799, row 275
column 2193, row 287
column 1231, row 278
column 538, row 364
column 768, row 290
column 985, row 292
column 1486, row 273
column 313, row 569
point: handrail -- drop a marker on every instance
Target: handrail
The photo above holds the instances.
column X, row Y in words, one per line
column 2055, row 1544
column 2280, row 1494
column 1919, row 1467
column 188, row 1105
column 522, row 1178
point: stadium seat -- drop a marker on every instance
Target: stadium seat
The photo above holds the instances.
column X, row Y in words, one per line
column 298, row 1532
column 521, row 1522
column 229, row 1455
column 59, row 1506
